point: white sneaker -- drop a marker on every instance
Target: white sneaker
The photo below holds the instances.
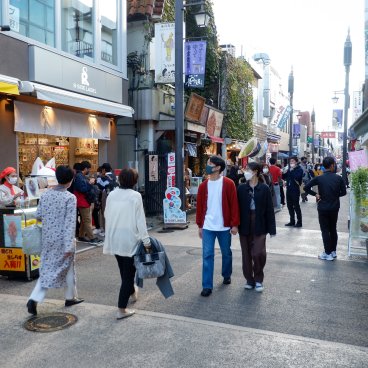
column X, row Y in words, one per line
column 96, row 231
column 102, row 233
column 248, row 286
column 259, row 287
column 334, row 254
column 326, row 257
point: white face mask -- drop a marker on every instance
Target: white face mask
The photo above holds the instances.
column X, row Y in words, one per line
column 292, row 165
column 248, row 175
column 12, row 180
column 265, row 170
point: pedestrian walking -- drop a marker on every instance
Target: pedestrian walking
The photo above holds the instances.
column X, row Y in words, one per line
column 57, row 210
column 257, row 219
column 293, row 174
column 125, row 229
column 217, row 217
column 276, row 175
column 330, row 188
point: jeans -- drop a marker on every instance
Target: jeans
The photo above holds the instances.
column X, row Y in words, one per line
column 276, row 188
column 127, row 273
column 208, row 244
column 292, row 201
column 327, row 223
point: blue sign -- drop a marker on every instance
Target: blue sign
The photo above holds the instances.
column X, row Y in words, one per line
column 284, row 118
column 296, row 130
column 195, row 63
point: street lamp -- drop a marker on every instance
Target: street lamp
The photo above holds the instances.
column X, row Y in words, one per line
column 347, row 63
column 179, row 90
column 313, row 120
column 291, row 93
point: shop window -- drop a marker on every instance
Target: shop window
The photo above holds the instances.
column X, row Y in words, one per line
column 109, row 32
column 77, row 27
column 34, row 19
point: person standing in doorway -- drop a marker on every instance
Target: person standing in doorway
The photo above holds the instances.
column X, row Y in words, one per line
column 293, row 174
column 276, row 175
column 217, row 217
column 330, row 188
column 57, row 211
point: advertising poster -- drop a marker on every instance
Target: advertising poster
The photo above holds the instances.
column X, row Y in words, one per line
column 153, row 167
column 12, row 259
column 337, row 118
column 194, row 109
column 195, row 63
column 172, row 203
column 296, row 130
column 214, row 122
column 277, row 116
column 35, row 262
column 357, row 104
column 13, row 231
column 33, row 190
column 165, row 52
column 284, row 117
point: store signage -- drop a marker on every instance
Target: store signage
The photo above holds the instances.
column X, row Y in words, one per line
column 195, row 63
column 214, row 122
column 153, row 167
column 172, row 204
column 165, row 52
column 12, row 259
column 58, row 71
column 14, row 18
column 358, row 159
column 326, row 135
column 284, row 118
column 357, row 104
column 280, row 117
column 194, row 107
column 296, row 130
column 337, row 118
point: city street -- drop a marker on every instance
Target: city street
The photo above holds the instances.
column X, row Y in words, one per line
column 311, row 314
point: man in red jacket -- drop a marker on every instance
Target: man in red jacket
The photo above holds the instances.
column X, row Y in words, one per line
column 217, row 217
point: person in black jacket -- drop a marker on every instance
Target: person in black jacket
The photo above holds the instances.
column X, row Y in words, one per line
column 257, row 219
column 330, row 188
column 293, row 174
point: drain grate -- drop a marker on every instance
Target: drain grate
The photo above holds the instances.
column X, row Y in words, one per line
column 50, row 322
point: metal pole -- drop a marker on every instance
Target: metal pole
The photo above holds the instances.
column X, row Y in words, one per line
column 179, row 101
column 291, row 93
column 313, row 128
column 347, row 63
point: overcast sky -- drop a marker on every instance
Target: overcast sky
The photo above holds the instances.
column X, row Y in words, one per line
column 306, row 34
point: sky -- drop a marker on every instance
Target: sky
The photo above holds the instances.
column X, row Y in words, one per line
column 307, row 35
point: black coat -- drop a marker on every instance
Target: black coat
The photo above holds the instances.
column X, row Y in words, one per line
column 265, row 215
column 293, row 178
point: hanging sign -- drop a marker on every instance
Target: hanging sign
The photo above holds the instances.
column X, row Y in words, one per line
column 284, row 118
column 195, row 63
column 337, row 118
column 165, row 53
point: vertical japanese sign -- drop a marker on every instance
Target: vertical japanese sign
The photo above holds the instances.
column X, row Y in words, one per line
column 296, row 130
column 284, row 118
column 195, row 63
column 357, row 104
column 337, row 118
column 153, row 167
column 165, row 53
column 170, row 170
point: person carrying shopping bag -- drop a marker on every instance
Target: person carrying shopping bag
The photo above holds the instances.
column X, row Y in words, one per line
column 125, row 228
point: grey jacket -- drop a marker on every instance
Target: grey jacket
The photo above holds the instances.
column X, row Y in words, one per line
column 163, row 282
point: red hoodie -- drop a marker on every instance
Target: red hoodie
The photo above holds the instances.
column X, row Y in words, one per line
column 230, row 206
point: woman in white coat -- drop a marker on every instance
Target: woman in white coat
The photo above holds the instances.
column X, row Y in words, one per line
column 9, row 193
column 125, row 227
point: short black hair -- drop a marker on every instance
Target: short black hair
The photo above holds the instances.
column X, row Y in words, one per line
column 77, row 166
column 64, row 174
column 303, row 158
column 85, row 165
column 272, row 161
column 295, row 158
column 328, row 162
column 218, row 161
column 128, row 178
column 106, row 166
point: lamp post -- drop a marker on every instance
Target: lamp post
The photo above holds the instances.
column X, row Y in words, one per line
column 347, row 63
column 313, row 120
column 291, row 93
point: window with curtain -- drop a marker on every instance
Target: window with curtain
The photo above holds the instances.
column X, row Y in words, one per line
column 34, row 19
column 109, row 31
column 77, row 27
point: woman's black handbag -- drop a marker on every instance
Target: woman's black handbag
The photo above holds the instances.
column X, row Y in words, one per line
column 149, row 265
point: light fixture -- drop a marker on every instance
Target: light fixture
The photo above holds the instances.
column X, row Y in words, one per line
column 202, row 17
column 335, row 99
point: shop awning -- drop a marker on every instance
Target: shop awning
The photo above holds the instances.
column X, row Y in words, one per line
column 216, row 139
column 9, row 85
column 63, row 97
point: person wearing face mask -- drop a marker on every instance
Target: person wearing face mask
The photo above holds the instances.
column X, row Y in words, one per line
column 217, row 217
column 57, row 211
column 317, row 170
column 293, row 174
column 257, row 219
column 9, row 193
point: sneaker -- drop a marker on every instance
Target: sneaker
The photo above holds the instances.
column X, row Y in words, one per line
column 206, row 292
column 326, row 257
column 102, row 233
column 334, row 254
column 248, row 286
column 227, row 281
column 83, row 240
column 96, row 231
column 259, row 287
column 95, row 241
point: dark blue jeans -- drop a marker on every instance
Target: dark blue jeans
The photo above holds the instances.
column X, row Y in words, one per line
column 208, row 245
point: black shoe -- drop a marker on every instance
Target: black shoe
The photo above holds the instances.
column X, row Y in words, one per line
column 81, row 239
column 32, row 307
column 290, row 224
column 95, row 241
column 70, row 302
column 227, row 281
column 206, row 292
column 298, row 224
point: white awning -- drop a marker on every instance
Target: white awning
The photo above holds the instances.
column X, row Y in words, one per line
column 67, row 98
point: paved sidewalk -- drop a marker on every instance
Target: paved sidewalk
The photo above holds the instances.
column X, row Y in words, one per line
column 157, row 340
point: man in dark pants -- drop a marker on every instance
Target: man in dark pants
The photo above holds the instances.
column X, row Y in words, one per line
column 330, row 188
column 293, row 174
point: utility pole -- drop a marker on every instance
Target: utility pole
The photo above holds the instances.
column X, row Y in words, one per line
column 291, row 93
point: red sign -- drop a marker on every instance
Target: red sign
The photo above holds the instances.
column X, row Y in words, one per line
column 328, row 135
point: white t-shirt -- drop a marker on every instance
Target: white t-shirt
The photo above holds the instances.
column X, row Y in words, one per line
column 214, row 219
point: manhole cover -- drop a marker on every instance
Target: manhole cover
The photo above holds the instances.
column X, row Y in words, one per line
column 50, row 322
